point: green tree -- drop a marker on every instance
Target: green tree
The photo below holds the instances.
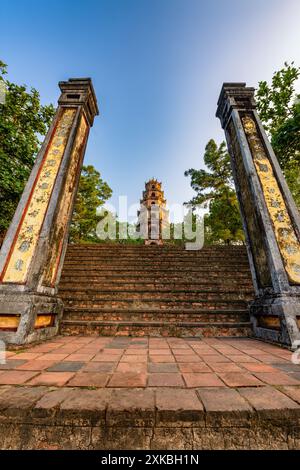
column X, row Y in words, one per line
column 23, row 121
column 223, row 223
column 279, row 109
column 92, row 193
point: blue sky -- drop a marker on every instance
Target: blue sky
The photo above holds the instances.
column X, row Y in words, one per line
column 157, row 68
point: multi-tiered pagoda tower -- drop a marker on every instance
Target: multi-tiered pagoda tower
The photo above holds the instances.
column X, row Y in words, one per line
column 153, row 216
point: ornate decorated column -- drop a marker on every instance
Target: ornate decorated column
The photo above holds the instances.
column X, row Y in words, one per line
column 33, row 251
column 270, row 218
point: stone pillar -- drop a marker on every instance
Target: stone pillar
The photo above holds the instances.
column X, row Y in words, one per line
column 33, row 251
column 270, row 218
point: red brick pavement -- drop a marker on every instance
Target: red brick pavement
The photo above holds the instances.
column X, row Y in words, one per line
column 150, row 362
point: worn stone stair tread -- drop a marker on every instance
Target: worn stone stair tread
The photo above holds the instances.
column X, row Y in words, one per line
column 128, row 290
column 155, row 310
column 157, row 323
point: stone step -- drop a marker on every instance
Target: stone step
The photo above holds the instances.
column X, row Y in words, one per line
column 148, row 303
column 153, row 285
column 182, row 273
column 148, row 249
column 161, row 328
column 140, row 264
column 160, row 291
column 137, row 314
column 73, row 293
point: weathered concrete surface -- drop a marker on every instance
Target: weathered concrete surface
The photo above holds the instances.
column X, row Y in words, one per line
column 206, row 418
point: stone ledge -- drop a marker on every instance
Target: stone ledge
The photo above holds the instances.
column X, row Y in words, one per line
column 165, row 418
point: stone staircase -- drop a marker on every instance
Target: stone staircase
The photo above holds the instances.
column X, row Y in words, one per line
column 157, row 291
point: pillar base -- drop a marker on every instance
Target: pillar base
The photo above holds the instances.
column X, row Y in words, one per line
column 276, row 318
column 28, row 317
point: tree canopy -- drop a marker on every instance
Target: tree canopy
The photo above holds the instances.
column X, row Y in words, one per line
column 223, row 223
column 279, row 109
column 23, row 122
column 92, row 193
column 278, row 106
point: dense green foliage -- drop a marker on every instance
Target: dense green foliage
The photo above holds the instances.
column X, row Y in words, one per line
column 23, row 121
column 279, row 109
column 92, row 194
column 223, row 223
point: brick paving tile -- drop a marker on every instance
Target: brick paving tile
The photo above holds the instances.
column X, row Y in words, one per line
column 163, row 367
column 204, row 351
column 295, row 375
column 202, row 380
column 183, row 352
column 79, row 357
column 225, row 367
column 16, row 377
column 292, row 392
column 226, row 350
column 52, row 378
column 183, row 358
column 290, row 367
column 27, row 356
column 89, row 379
column 64, row 339
column 250, row 351
column 194, row 367
column 277, row 378
column 9, row 354
column 127, row 379
column 66, row 367
column 242, row 358
column 270, row 359
column 267, row 398
column 159, row 351
column 223, row 399
column 105, row 358
column 36, row 364
column 68, row 349
column 165, row 380
column 134, row 352
column 132, row 367
column 92, row 351
column 259, row 367
column 44, row 348
column 112, row 351
column 53, row 357
column 133, row 359
column 83, row 339
column 284, row 355
column 12, row 364
column 213, row 359
column 99, row 367
column 239, row 379
column 163, row 358
column 185, row 403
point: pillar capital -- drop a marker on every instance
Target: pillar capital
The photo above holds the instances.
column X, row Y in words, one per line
column 79, row 92
column 234, row 95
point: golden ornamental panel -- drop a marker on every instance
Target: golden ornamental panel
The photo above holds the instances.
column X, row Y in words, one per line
column 18, row 264
column 285, row 234
column 65, row 206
